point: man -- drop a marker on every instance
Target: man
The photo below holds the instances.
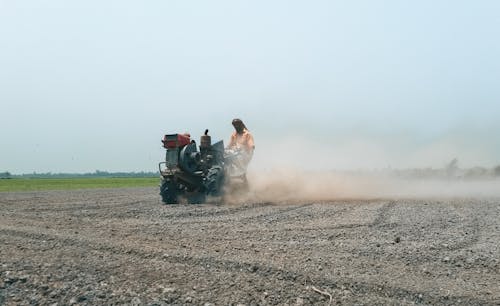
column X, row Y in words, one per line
column 241, row 139
column 242, row 144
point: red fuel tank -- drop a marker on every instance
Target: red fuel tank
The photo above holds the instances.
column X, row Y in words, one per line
column 171, row 141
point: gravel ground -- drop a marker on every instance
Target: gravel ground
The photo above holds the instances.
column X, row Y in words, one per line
column 121, row 246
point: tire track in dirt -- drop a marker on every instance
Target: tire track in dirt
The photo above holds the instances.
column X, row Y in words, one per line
column 202, row 214
column 194, row 212
column 471, row 240
column 235, row 211
column 279, row 213
column 382, row 214
column 213, row 264
column 336, row 227
column 379, row 220
column 93, row 211
column 473, row 234
column 85, row 206
column 435, row 254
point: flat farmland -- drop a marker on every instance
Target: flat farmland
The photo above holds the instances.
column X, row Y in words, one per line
column 26, row 184
column 122, row 246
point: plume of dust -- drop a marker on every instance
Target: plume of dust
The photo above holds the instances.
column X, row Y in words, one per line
column 285, row 178
column 289, row 186
column 294, row 185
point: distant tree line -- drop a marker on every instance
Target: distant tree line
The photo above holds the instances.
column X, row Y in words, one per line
column 96, row 174
column 5, row 175
column 451, row 171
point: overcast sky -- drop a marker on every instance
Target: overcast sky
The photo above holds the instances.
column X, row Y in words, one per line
column 88, row 85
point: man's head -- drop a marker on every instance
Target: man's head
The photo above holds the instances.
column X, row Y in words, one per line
column 239, row 126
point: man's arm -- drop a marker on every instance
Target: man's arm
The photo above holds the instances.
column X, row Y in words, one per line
column 250, row 142
column 232, row 141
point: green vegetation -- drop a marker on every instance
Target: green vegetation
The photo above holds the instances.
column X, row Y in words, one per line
column 33, row 184
column 96, row 174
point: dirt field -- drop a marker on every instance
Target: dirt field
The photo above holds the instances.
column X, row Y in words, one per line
column 120, row 246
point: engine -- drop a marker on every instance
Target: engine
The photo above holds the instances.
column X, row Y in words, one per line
column 191, row 173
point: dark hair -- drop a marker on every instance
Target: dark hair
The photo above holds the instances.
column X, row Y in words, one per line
column 237, row 122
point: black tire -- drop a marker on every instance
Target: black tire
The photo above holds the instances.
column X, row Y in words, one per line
column 215, row 182
column 168, row 192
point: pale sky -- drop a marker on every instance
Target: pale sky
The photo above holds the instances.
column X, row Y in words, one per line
column 88, row 85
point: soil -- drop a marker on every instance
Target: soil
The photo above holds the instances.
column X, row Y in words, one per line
column 122, row 246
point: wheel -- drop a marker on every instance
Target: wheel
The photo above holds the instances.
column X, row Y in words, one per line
column 168, row 191
column 215, row 182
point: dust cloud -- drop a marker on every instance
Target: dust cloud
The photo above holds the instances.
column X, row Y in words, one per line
column 287, row 173
column 285, row 185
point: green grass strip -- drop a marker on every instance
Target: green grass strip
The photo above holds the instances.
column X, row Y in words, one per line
column 10, row 185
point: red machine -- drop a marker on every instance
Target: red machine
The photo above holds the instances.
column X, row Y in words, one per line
column 172, row 141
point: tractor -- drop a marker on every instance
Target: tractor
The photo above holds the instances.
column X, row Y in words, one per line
column 191, row 175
